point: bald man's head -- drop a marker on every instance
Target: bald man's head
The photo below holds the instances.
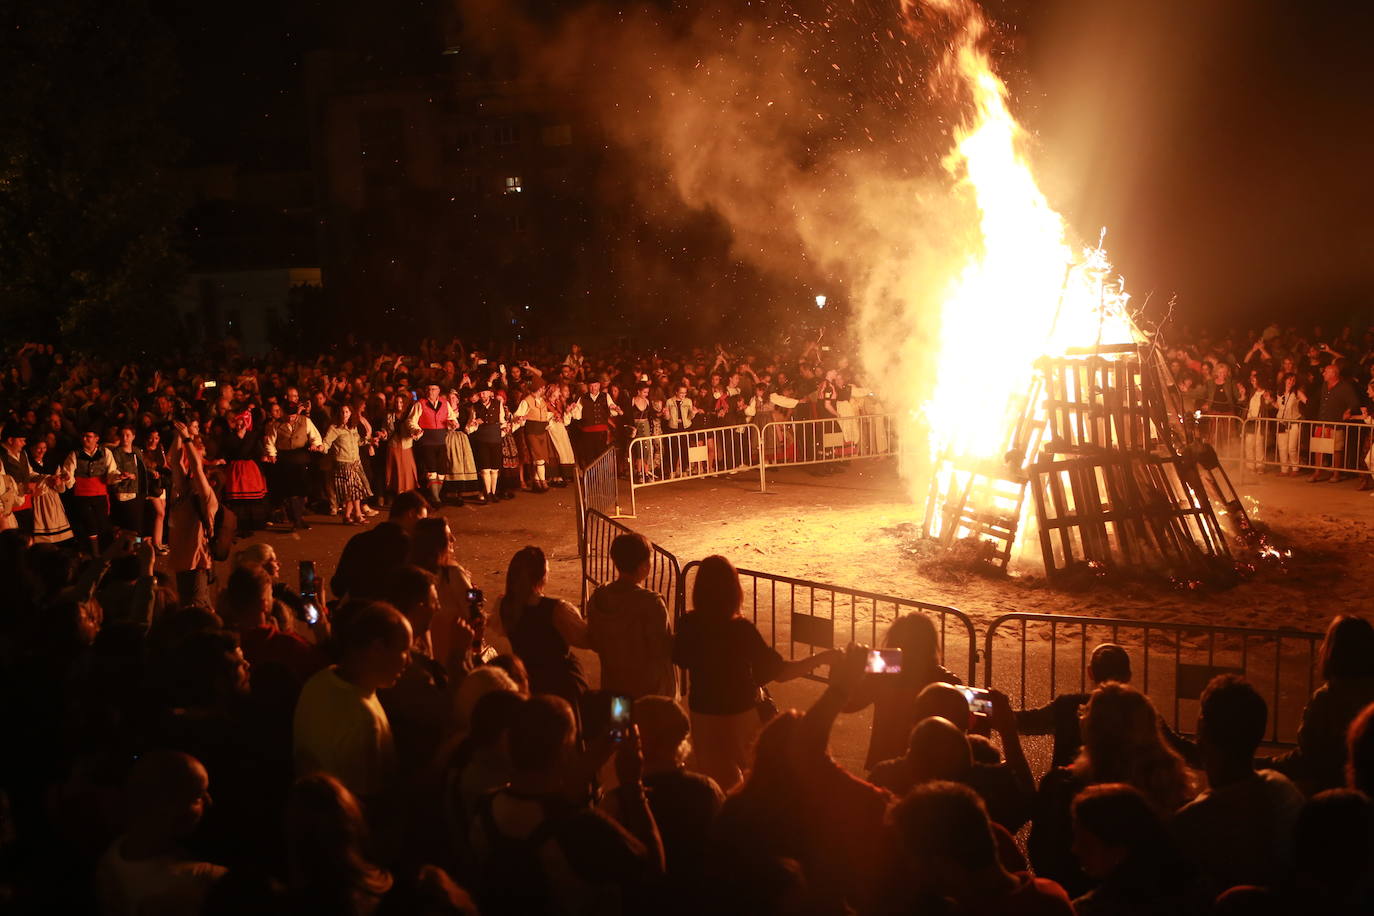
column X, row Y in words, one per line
column 945, row 701
column 939, row 749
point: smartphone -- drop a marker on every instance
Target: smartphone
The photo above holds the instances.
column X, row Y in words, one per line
column 138, row 539
column 475, row 602
column 309, row 589
column 209, row 384
column 884, row 661
column 979, row 700
column 621, row 710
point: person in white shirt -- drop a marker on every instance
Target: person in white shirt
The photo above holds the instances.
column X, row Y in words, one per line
column 535, row 415
column 679, row 414
column 1288, row 406
column 146, row 870
column 1256, row 438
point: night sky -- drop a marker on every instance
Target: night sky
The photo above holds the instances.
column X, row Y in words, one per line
column 1226, row 144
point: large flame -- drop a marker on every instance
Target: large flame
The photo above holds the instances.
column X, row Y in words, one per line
column 1022, row 293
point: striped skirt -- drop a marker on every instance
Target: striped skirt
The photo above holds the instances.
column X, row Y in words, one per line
column 349, row 482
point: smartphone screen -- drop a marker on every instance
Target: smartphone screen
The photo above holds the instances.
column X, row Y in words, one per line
column 884, row 661
column 621, row 707
column 979, row 703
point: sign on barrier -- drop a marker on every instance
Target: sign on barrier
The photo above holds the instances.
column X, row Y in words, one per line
column 1171, row 663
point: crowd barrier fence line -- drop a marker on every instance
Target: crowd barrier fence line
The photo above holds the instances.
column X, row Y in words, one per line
column 596, row 491
column 1223, row 432
column 814, row 619
column 1208, row 650
column 797, row 442
column 1307, row 443
column 691, row 454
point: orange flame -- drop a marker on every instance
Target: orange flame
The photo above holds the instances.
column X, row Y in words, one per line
column 1023, row 293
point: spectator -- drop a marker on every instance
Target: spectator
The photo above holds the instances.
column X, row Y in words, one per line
column 949, row 848
column 797, row 803
column 893, row 697
column 627, row 625
column 245, row 605
column 481, row 761
column 1334, row 847
column 1239, row 830
column 146, row 870
column 1337, row 403
column 328, row 870
column 190, row 518
column 728, row 664
column 369, row 558
column 535, row 847
column 1289, row 406
column 933, row 752
column 1359, row 767
column 684, row 803
column 1060, row 717
column 1347, row 668
column 1122, row 843
column 340, row 725
column 543, row 630
column 432, row 549
column 1121, row 743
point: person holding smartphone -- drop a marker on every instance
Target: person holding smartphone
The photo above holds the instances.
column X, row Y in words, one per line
column 728, row 663
column 893, row 696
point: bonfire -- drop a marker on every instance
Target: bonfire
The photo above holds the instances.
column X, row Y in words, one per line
column 1071, row 402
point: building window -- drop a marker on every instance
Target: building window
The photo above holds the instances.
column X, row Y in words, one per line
column 558, row 135
column 513, row 185
column 506, row 134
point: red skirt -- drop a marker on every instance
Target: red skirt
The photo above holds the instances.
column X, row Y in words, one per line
column 246, row 480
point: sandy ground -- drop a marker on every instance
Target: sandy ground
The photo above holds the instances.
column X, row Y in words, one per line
column 853, row 529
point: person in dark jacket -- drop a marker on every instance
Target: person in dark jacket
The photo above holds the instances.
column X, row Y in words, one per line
column 369, row 558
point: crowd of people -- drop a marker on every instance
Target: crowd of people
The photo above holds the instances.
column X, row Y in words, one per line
column 1304, row 387
column 396, row 743
column 89, row 447
column 404, row 748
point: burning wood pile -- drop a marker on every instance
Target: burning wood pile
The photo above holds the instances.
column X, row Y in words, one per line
column 1119, row 485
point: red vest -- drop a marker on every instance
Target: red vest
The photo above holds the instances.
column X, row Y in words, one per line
column 432, row 418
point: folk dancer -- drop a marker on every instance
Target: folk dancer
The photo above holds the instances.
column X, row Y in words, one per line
column 535, row 414
column 595, row 409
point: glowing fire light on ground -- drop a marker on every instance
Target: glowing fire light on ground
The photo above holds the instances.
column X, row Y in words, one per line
column 1023, row 294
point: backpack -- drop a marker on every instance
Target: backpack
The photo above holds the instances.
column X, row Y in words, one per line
column 513, row 881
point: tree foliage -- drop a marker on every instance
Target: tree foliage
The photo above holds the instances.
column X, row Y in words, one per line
column 88, row 201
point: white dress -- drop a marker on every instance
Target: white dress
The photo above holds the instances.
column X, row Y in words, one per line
column 50, row 523
column 558, row 434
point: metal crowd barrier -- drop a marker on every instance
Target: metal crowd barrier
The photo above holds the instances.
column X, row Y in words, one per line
column 598, row 569
column 1223, row 432
column 797, row 442
column 816, row 615
column 1170, row 662
column 1304, row 445
column 691, row 455
column 597, row 491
